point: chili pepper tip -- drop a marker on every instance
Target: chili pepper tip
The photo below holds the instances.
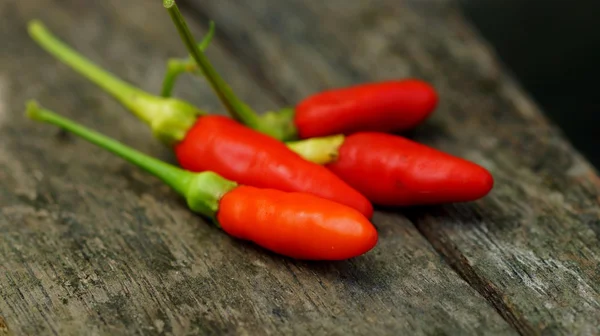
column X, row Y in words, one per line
column 168, row 3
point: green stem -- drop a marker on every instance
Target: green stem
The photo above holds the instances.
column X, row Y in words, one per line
column 110, row 83
column 203, row 191
column 175, row 177
column 170, row 119
column 279, row 124
column 177, row 66
column 238, row 110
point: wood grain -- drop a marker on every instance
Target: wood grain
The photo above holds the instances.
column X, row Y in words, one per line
column 531, row 247
column 93, row 246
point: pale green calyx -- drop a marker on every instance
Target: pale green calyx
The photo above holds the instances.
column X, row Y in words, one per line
column 204, row 193
column 170, row 119
column 321, row 150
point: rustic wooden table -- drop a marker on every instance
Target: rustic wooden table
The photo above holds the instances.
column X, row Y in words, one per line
column 93, row 246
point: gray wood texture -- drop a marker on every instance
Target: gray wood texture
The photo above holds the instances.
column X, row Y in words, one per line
column 91, row 245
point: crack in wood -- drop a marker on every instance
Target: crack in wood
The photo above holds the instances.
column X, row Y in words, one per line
column 462, row 267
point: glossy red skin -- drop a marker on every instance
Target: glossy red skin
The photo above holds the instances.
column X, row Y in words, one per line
column 382, row 106
column 394, row 171
column 238, row 153
column 297, row 225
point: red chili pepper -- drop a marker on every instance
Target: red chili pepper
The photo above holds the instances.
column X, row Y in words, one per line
column 395, row 171
column 223, row 145
column 379, row 106
column 213, row 143
column 382, row 106
column 296, row 225
column 388, row 169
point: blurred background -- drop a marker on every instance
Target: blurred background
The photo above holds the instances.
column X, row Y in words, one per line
column 553, row 49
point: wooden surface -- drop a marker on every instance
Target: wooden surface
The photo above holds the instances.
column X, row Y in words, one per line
column 91, row 245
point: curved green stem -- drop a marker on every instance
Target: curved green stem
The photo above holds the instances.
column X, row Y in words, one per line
column 275, row 124
column 203, row 191
column 175, row 177
column 177, row 66
column 170, row 119
column 321, row 150
column 110, row 83
column 235, row 106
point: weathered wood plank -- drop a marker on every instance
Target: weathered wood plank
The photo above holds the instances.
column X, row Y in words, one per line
column 90, row 245
column 531, row 247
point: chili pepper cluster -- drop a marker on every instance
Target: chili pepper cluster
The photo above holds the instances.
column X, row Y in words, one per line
column 301, row 181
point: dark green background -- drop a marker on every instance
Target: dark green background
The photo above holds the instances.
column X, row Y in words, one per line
column 553, row 48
